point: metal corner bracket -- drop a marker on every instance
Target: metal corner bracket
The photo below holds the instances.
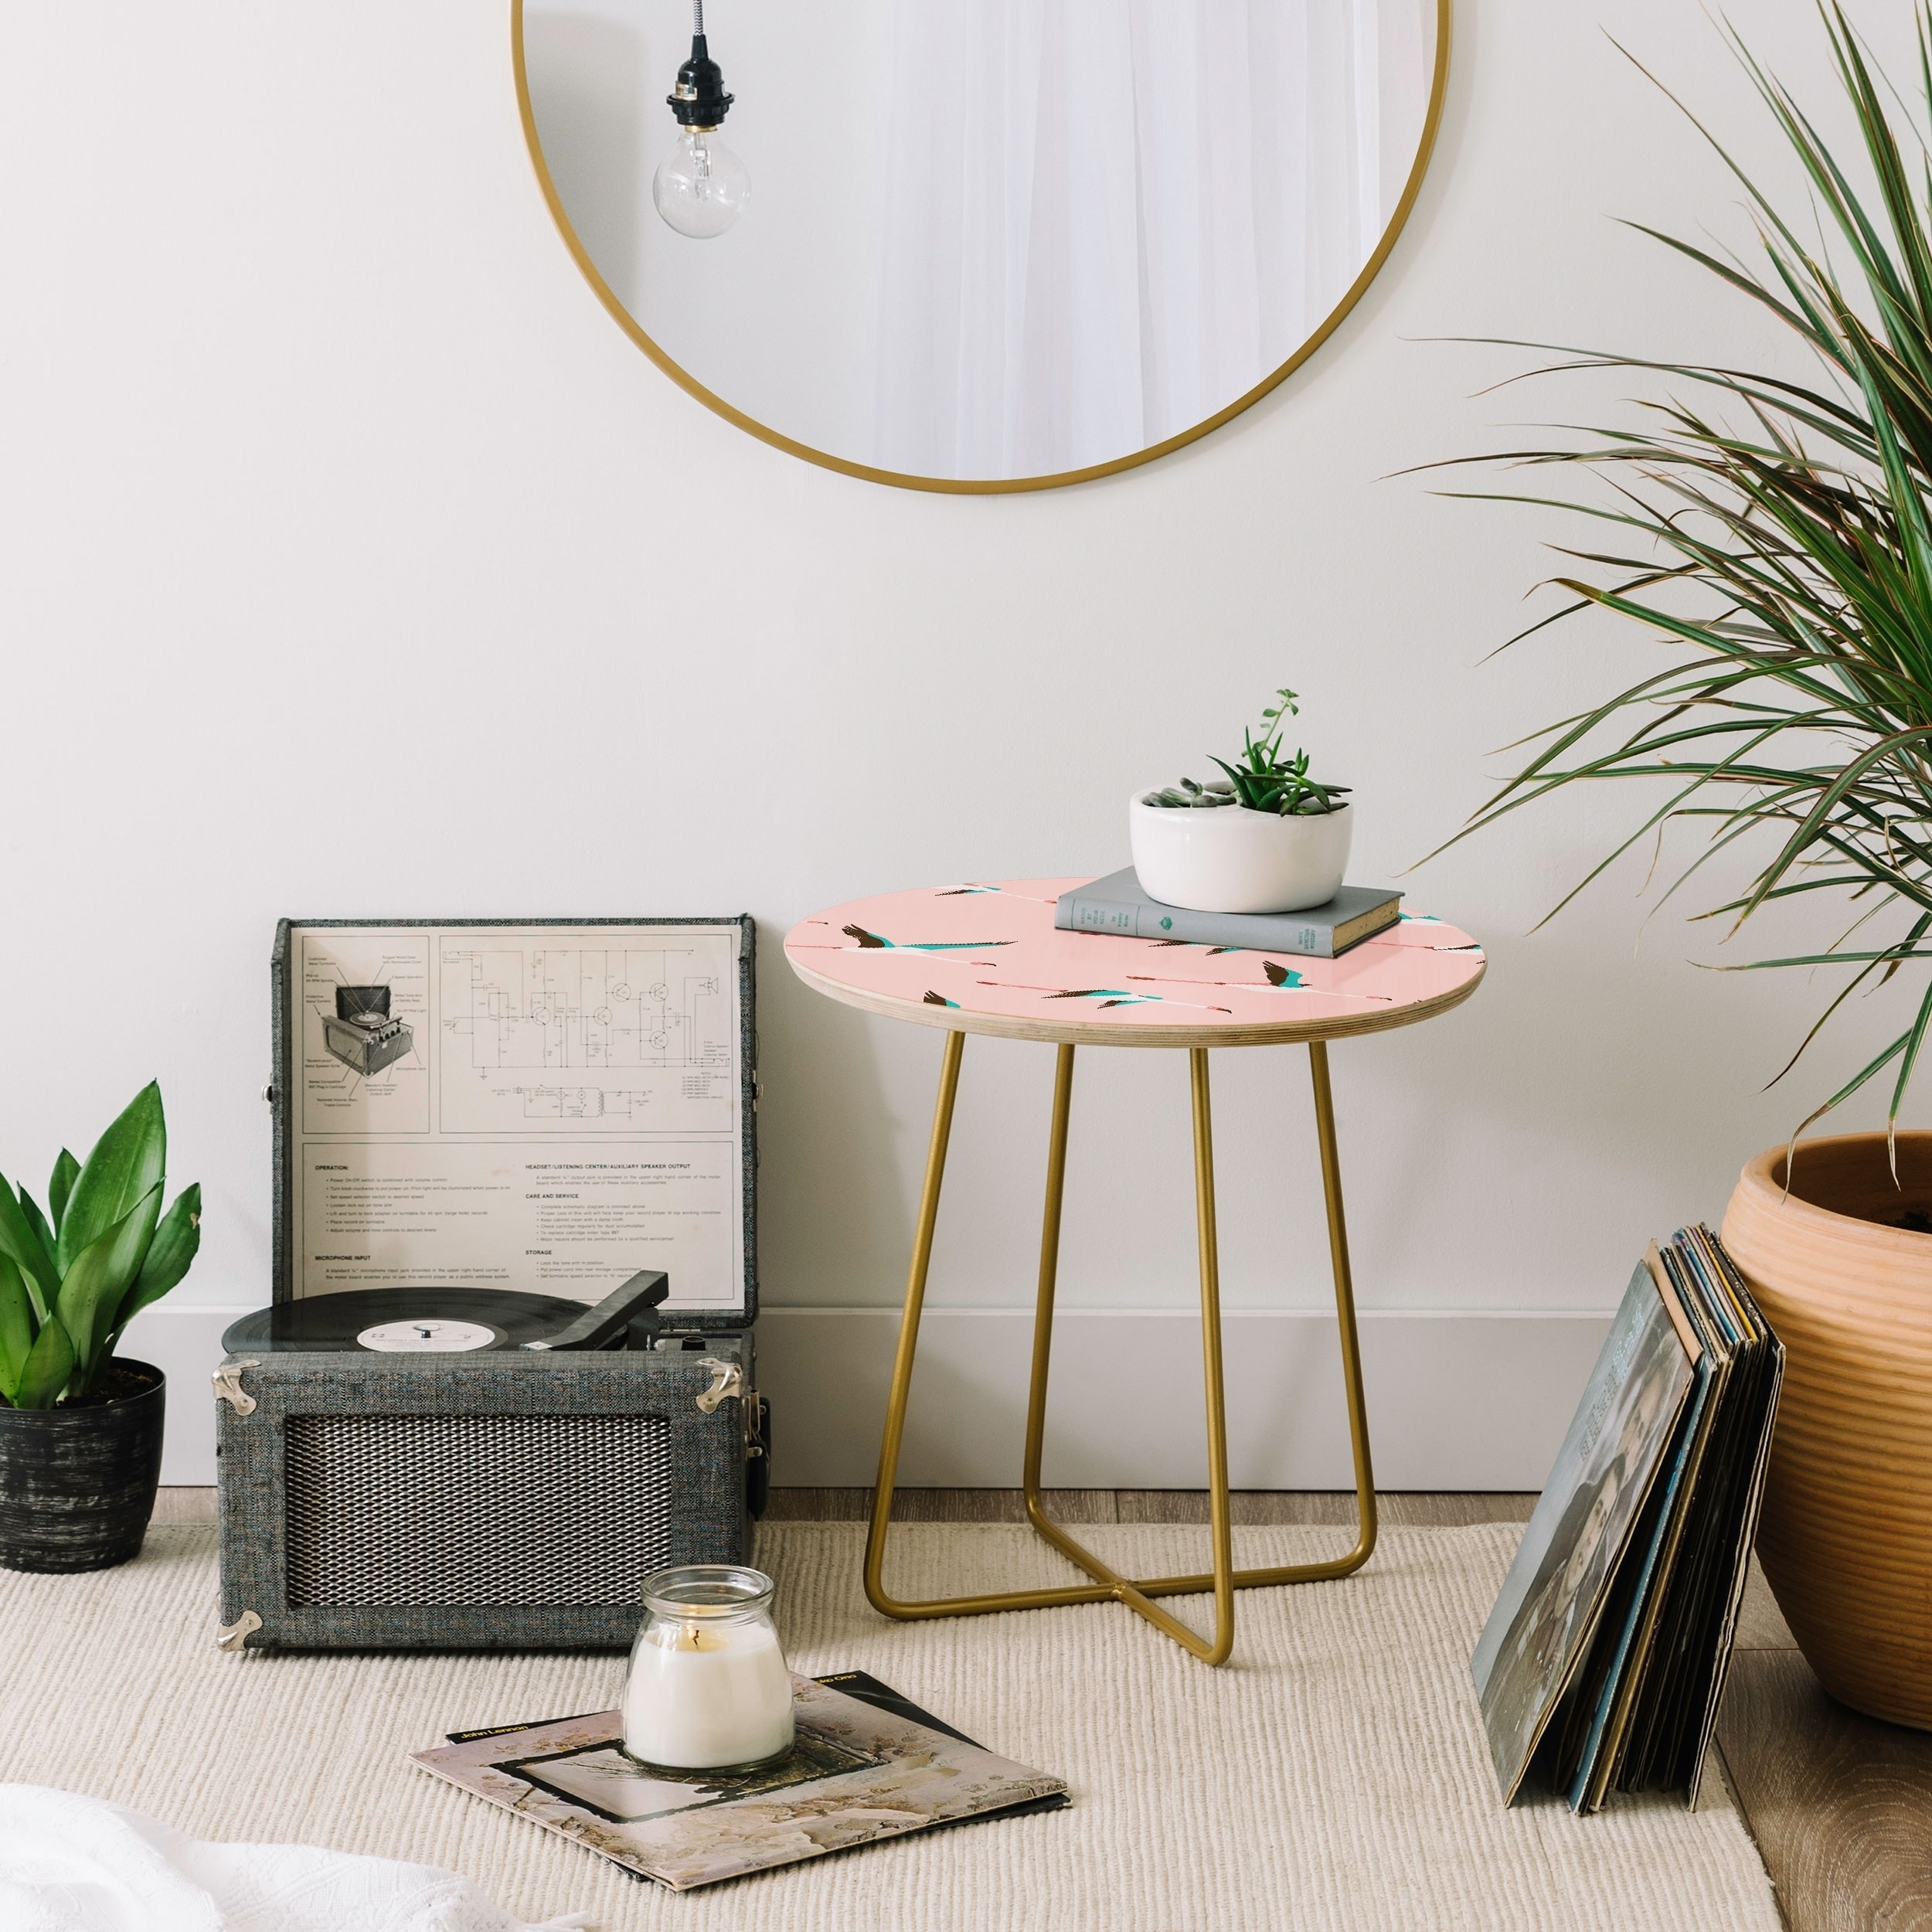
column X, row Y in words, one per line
column 727, row 1379
column 228, row 1388
column 232, row 1636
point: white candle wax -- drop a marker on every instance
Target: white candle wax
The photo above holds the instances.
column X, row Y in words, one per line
column 702, row 1695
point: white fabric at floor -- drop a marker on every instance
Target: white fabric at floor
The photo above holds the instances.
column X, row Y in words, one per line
column 1333, row 1776
column 74, row 1864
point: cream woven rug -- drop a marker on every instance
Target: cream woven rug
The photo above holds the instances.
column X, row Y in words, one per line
column 1333, row 1776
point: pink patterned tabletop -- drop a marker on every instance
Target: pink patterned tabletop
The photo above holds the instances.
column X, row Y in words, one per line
column 986, row 958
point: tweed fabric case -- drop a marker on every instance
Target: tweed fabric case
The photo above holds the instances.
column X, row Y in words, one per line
column 507, row 1499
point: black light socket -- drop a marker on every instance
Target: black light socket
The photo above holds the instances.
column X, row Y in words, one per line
column 699, row 100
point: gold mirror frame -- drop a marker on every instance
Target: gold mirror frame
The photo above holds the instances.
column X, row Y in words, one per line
column 978, row 486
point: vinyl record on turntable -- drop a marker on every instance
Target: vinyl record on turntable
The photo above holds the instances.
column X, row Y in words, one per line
column 424, row 1321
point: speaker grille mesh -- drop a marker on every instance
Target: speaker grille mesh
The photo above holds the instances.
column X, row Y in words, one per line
column 497, row 1510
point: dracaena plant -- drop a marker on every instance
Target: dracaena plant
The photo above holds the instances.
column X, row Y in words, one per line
column 1779, row 534
column 1262, row 780
column 72, row 1279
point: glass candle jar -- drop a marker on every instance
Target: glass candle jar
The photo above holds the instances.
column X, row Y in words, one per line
column 709, row 1688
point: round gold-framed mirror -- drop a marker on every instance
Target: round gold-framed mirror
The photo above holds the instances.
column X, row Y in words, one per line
column 987, row 245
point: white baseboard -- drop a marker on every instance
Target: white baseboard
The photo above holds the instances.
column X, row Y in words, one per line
column 1455, row 1400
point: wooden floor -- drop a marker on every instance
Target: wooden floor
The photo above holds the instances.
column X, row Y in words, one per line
column 1146, row 1505
column 1841, row 1805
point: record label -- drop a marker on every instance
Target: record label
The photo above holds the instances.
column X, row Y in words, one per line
column 428, row 1337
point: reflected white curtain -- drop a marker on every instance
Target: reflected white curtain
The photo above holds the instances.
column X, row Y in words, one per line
column 1103, row 220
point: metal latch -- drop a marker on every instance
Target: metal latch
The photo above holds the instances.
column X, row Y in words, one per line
column 232, row 1636
column 228, row 1386
column 727, row 1379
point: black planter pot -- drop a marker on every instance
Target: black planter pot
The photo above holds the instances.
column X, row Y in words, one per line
column 77, row 1485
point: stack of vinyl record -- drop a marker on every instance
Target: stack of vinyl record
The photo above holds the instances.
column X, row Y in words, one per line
column 1601, row 1667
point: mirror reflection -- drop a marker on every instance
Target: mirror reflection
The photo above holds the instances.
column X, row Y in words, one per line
column 980, row 239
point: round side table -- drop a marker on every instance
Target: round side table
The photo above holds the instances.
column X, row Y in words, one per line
column 986, row 958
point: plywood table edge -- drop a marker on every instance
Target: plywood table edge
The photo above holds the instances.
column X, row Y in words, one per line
column 1094, row 1033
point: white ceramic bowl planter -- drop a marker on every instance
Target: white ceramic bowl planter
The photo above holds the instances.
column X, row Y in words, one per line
column 1227, row 858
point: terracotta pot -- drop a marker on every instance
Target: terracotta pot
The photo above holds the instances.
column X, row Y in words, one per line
column 1842, row 1268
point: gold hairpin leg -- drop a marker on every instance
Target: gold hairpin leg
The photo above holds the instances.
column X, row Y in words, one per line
column 1137, row 1593
column 882, row 1501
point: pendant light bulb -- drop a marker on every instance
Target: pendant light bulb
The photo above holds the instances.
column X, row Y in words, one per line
column 701, row 187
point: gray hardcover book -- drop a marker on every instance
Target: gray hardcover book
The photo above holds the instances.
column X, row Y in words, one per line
column 1116, row 904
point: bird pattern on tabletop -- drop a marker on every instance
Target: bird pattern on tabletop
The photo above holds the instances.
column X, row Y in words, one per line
column 1010, row 891
column 878, row 943
column 991, row 947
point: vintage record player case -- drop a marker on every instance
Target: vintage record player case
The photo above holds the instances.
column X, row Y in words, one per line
column 526, row 1115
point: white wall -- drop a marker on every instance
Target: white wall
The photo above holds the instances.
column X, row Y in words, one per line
column 354, row 563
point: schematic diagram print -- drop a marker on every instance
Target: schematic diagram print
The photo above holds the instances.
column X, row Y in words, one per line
column 586, row 1036
column 579, row 1103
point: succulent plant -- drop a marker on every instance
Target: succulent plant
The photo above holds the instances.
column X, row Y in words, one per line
column 1263, row 780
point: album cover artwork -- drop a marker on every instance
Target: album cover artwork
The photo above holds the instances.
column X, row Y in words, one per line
column 1548, row 1611
column 862, row 1770
column 1602, row 1664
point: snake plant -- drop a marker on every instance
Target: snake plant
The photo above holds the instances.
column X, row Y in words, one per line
column 1778, row 534
column 73, row 1278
